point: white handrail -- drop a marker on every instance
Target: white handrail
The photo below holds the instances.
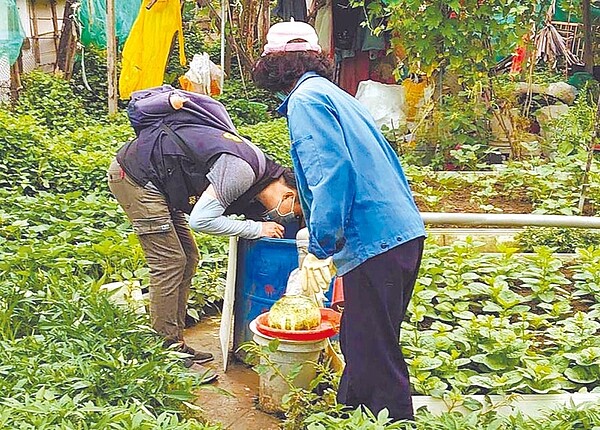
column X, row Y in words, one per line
column 513, row 220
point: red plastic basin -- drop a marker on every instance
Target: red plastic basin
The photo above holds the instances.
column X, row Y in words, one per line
column 330, row 326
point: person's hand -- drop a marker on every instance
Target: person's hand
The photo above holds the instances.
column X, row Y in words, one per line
column 177, row 101
column 316, row 275
column 272, row 229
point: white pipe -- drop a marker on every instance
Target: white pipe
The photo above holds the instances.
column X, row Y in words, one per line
column 513, row 220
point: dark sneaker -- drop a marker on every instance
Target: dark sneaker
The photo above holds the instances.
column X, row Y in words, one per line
column 198, row 357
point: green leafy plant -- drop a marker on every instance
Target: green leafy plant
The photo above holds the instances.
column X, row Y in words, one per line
column 565, row 240
column 272, row 137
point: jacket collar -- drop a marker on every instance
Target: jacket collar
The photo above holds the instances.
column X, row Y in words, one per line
column 283, row 107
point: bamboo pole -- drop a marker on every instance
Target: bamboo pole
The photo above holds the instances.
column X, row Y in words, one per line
column 224, row 6
column 15, row 79
column 588, row 53
column 590, row 158
column 36, row 34
column 111, row 56
column 54, row 24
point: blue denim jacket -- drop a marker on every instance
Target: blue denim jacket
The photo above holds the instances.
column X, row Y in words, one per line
column 354, row 194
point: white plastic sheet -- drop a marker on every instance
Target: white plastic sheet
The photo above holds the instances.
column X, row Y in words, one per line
column 204, row 76
column 385, row 102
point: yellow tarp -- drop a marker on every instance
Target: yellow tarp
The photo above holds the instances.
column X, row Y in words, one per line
column 146, row 50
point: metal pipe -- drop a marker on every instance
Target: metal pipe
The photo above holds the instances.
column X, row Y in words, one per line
column 513, row 220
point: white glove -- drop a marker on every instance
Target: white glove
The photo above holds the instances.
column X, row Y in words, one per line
column 316, row 275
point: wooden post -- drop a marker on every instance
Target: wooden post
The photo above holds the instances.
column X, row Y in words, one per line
column 224, row 9
column 15, row 79
column 54, row 24
column 67, row 43
column 111, row 56
column 588, row 165
column 588, row 52
column 264, row 23
column 36, row 34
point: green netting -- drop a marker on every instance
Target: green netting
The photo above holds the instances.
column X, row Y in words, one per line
column 92, row 16
column 575, row 15
column 11, row 31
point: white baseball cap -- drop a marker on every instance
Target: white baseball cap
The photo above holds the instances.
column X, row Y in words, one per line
column 280, row 36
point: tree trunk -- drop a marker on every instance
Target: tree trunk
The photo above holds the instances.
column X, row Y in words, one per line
column 67, row 44
column 588, row 53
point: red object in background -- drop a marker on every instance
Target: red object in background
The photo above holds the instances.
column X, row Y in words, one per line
column 330, row 326
column 337, row 299
column 518, row 60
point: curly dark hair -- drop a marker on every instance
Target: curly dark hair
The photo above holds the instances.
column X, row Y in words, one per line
column 280, row 71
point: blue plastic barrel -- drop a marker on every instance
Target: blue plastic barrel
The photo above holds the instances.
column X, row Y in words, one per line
column 263, row 268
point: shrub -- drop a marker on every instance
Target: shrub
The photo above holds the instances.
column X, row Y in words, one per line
column 52, row 102
column 272, row 137
column 565, row 240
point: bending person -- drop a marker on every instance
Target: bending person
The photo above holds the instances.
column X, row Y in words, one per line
column 189, row 159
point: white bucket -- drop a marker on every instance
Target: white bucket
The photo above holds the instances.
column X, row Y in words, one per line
column 289, row 354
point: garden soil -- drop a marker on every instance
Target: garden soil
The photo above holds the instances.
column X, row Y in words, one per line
column 237, row 408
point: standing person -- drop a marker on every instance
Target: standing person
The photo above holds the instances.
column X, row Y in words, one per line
column 189, row 159
column 359, row 211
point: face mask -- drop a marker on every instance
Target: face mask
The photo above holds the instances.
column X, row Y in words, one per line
column 276, row 216
column 281, row 95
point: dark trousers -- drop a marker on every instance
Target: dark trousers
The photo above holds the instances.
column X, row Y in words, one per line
column 376, row 296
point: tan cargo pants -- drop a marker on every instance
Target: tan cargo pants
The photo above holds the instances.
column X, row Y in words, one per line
column 170, row 250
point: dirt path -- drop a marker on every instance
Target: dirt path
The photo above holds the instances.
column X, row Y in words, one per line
column 238, row 411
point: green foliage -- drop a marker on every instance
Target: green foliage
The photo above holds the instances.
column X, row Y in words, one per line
column 65, row 346
column 51, row 101
column 573, row 132
column 462, row 36
column 272, row 137
column 246, row 104
column 503, row 323
column 455, row 136
column 208, row 286
column 561, row 239
column 37, row 157
column 89, row 81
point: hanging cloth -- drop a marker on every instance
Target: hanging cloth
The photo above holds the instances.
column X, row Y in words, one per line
column 346, row 21
column 324, row 28
column 92, row 17
column 287, row 9
column 11, row 32
column 147, row 48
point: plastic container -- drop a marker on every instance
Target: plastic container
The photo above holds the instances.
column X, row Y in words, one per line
column 330, row 326
column 271, row 387
column 263, row 268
